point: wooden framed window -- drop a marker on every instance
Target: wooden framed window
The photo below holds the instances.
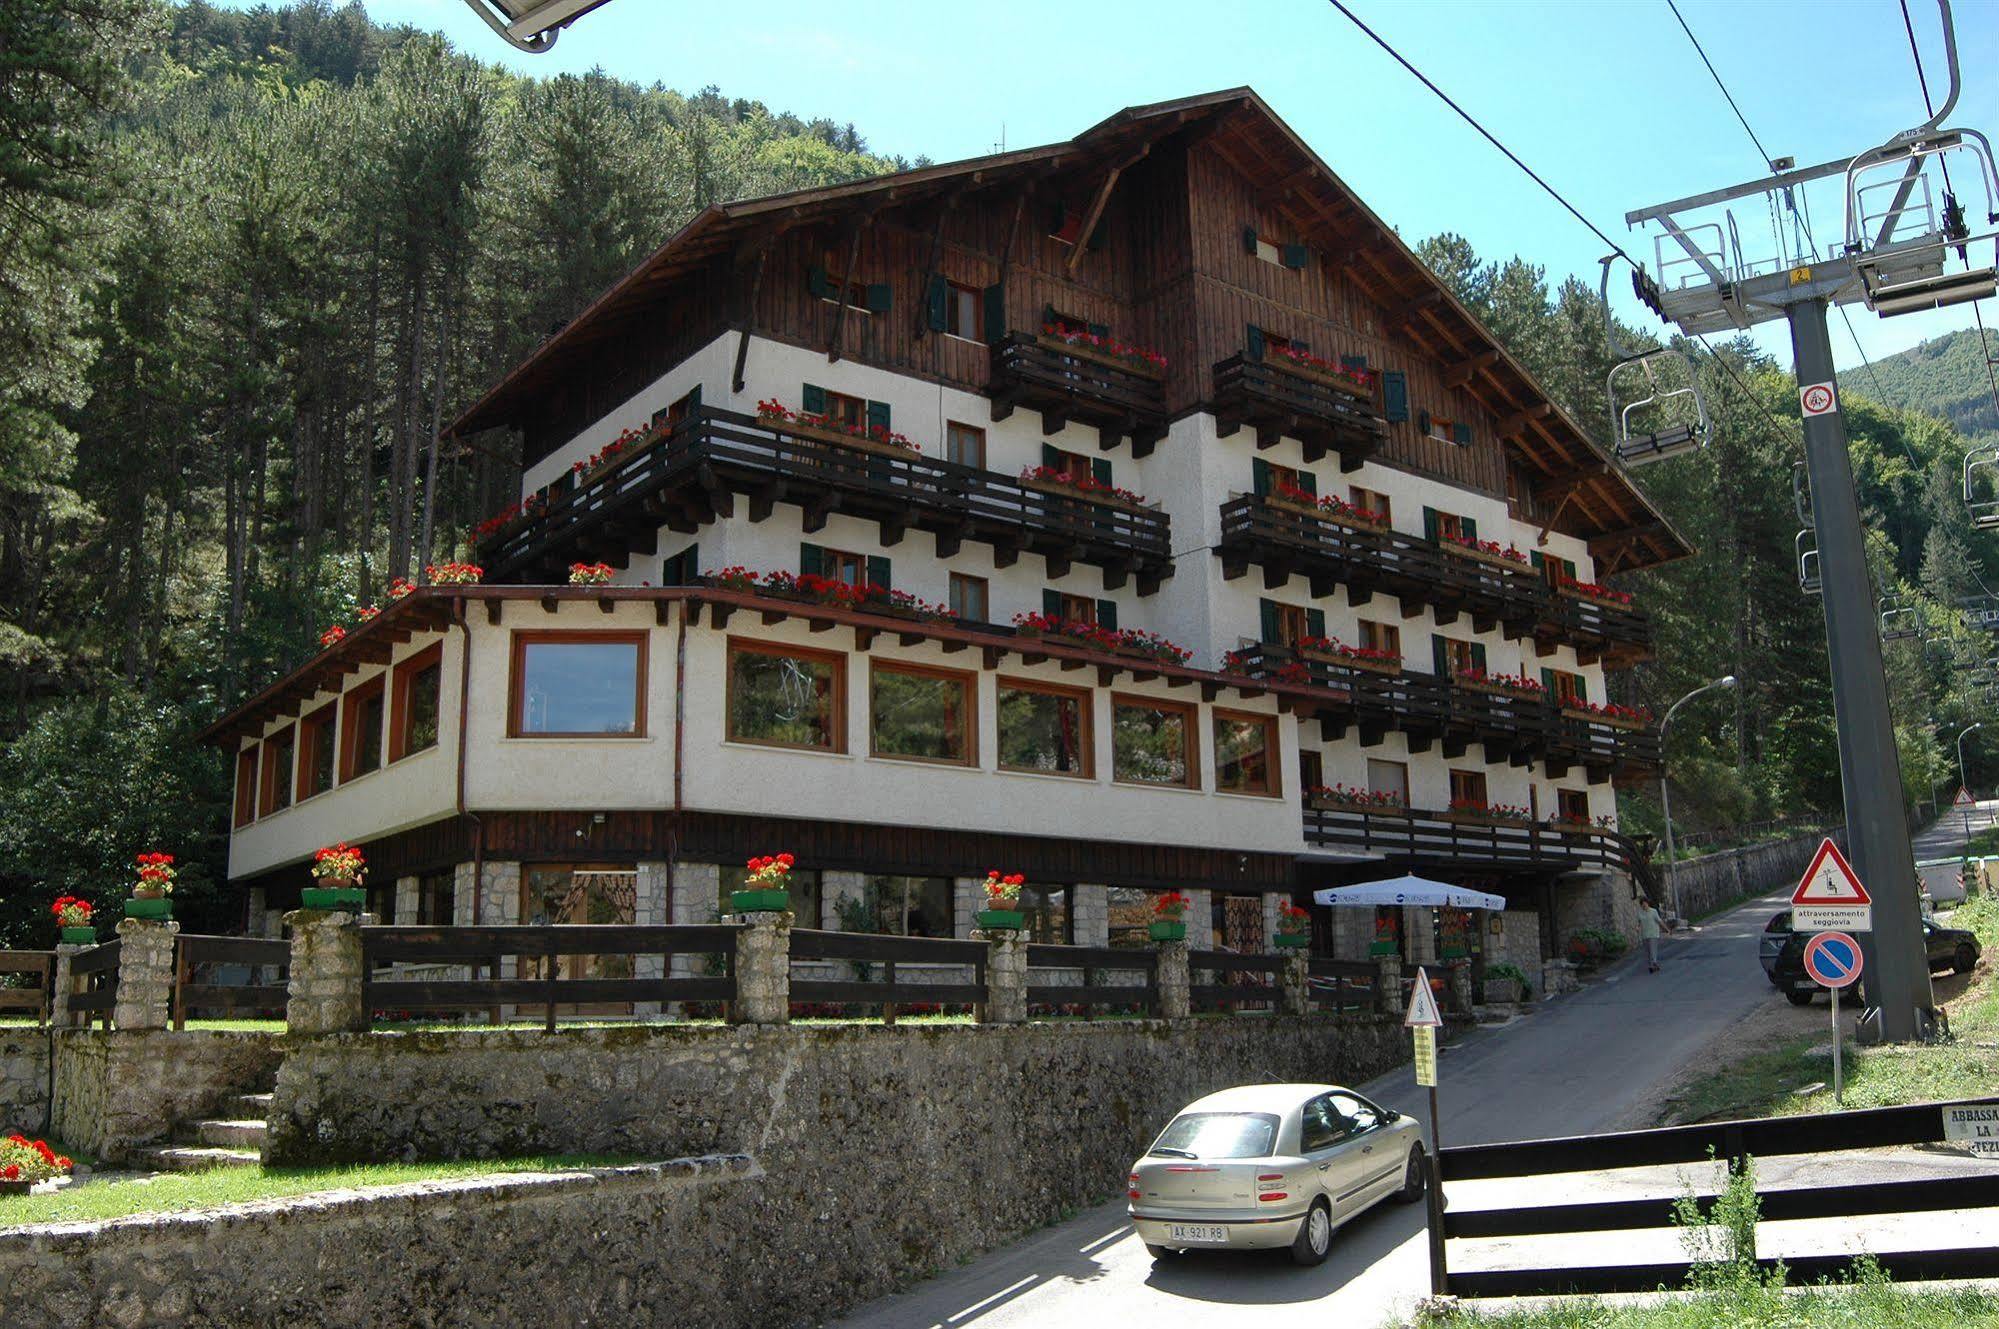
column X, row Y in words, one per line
column 1449, row 526
column 909, row 906
column 275, row 791
column 1246, row 753
column 962, row 311
column 1277, row 255
column 415, row 697
column 1044, row 728
column 1441, row 429
column 1075, row 465
column 1077, row 608
column 1154, row 742
column 1566, row 688
column 845, row 410
column 1572, row 805
column 916, row 713
column 1292, row 623
column 1388, row 777
column 363, row 712
column 681, row 569
column 841, row 565
column 1376, row 636
column 577, row 685
column 1066, row 323
column 971, row 598
column 246, row 786
column 1373, row 500
column 436, row 899
column 830, row 286
column 1049, row 919
column 964, row 445
column 1554, row 569
column 1468, row 787
column 1459, row 657
column 787, row 696
column 316, row 752
column 673, row 414
column 1311, row 768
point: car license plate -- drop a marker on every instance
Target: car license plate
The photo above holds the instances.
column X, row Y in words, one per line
column 1213, row 1233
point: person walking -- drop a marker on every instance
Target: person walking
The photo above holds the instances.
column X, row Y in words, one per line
column 1650, row 927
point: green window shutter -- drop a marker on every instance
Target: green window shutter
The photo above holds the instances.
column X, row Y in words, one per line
column 1395, row 396
column 936, row 304
column 1440, row 656
column 1353, row 362
column 1315, row 622
column 878, row 571
column 995, row 314
column 811, row 560
column 1582, row 688
column 1252, row 343
column 1249, row 240
column 1461, row 435
column 693, row 398
column 1051, row 603
column 1478, row 656
column 1048, row 311
column 1540, row 565
column 1309, row 483
column 878, row 297
column 1259, row 471
column 1296, row 256
column 1471, row 527
column 1100, row 329
column 1304, row 348
column 1429, row 523
column 1568, row 568
column 1548, row 681
column 1267, row 610
column 819, row 283
column 877, row 415
column 1422, row 422
column 690, row 564
column 1051, row 456
column 1107, row 615
column 812, row 401
column 1100, row 470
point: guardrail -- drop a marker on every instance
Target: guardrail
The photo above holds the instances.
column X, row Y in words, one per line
column 39, row 965
column 195, row 952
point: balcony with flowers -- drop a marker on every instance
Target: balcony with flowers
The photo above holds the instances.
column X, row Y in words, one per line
column 1287, row 392
column 683, row 475
column 1085, row 375
column 1468, row 836
column 1601, row 622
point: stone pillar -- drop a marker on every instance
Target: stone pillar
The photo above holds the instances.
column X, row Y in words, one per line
column 1419, row 934
column 649, row 910
column 833, row 888
column 325, row 992
column 1388, row 999
column 1090, row 907
column 1461, row 987
column 968, row 896
column 145, row 973
column 62, row 989
column 1200, row 919
column 696, row 898
column 1006, row 977
column 406, row 899
column 1271, row 904
column 1297, row 980
column 1175, row 981
column 763, row 970
column 1353, row 932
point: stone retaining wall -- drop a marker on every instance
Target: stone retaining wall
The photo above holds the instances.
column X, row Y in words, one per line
column 24, row 1081
column 115, row 1090
column 1712, row 881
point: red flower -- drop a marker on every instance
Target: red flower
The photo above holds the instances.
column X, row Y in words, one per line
column 12, row 1172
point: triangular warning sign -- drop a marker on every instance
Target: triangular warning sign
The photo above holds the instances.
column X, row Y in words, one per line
column 1963, row 799
column 1422, row 1005
column 1830, row 880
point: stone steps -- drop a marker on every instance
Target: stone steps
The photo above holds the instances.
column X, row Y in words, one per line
column 248, row 1107
column 230, row 1134
column 193, row 1158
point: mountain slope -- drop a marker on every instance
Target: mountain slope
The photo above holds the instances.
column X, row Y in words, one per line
column 1943, row 377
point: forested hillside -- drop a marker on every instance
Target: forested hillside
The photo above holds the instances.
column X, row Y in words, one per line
column 1947, row 377
column 249, row 261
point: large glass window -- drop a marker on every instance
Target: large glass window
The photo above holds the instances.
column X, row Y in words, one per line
column 419, row 691
column 786, row 697
column 246, row 786
column 436, row 899
column 922, row 714
column 803, row 885
column 1047, row 911
column 574, row 683
column 361, row 729
column 277, row 791
column 315, row 752
column 1044, row 729
column 1245, row 753
column 903, row 907
column 1130, row 914
column 1152, row 742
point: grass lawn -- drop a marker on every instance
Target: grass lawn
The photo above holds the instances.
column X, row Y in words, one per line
column 204, row 1190
column 1766, row 1083
column 1865, row 1306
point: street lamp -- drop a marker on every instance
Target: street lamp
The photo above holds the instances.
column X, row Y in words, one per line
column 1665, row 794
column 1962, row 783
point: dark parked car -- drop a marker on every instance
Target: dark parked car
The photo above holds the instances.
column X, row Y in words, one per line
column 1771, row 944
column 1949, row 948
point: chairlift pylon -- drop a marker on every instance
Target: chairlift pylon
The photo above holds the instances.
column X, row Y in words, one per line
column 1656, row 388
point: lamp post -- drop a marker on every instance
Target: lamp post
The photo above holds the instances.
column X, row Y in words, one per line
column 1962, row 783
column 1665, row 794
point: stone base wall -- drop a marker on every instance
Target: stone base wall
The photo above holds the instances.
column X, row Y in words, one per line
column 638, row 1246
column 1708, row 883
column 117, row 1090
column 24, row 1082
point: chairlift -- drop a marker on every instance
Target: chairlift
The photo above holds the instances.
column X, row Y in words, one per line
column 1901, row 618
column 1801, row 494
column 1809, row 580
column 1981, row 486
column 1657, row 410
column 531, row 25
column 1910, row 289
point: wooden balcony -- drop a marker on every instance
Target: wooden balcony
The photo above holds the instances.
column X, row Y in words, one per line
column 1279, row 402
column 1618, row 635
column 1423, row 840
column 1066, row 385
column 695, row 474
column 1284, row 540
column 1605, row 751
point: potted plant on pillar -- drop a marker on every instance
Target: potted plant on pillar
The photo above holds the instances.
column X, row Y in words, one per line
column 74, row 916
column 1169, row 917
column 768, row 889
column 1294, row 926
column 336, row 873
column 1003, row 902
column 155, row 885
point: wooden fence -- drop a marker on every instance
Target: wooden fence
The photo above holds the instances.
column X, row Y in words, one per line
column 195, row 952
column 1343, row 985
column 38, row 965
column 1094, row 963
column 1238, row 980
column 95, row 973
column 895, row 988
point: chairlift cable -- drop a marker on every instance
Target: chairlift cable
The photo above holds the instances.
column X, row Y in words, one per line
column 1726, row 94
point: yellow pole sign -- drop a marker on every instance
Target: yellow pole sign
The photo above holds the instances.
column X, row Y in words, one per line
column 1426, row 1055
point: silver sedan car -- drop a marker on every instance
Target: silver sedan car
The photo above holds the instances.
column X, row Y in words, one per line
column 1270, row 1165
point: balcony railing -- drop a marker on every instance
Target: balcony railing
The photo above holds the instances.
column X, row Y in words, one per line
column 1429, row 709
column 1279, row 402
column 691, row 476
column 1421, row 839
column 1284, row 540
column 1065, row 385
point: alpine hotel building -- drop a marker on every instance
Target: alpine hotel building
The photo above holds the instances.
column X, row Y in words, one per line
column 1169, row 380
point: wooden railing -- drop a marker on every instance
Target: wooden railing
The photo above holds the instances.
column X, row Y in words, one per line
column 542, row 947
column 714, row 455
column 38, row 965
column 1419, row 838
column 95, row 975
column 1239, row 980
column 195, row 952
column 1344, row 985
column 1093, row 963
column 1029, row 372
column 1277, row 401
column 895, row 988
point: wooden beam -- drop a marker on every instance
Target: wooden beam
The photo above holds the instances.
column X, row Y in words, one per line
column 1091, row 218
column 930, row 273
column 1461, row 373
column 1624, row 538
column 1285, row 188
column 1400, row 315
column 861, row 228
column 1519, row 420
column 749, row 317
column 1020, row 203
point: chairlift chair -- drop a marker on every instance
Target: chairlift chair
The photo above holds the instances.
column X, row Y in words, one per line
column 1901, row 618
column 1809, row 580
column 1981, row 486
column 1901, row 265
column 531, row 25
column 1657, row 410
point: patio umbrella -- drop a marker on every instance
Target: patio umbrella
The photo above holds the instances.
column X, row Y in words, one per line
column 1408, row 890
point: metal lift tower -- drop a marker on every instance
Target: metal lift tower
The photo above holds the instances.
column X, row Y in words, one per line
column 1892, row 260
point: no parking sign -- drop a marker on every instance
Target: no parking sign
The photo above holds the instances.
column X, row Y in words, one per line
column 1833, row 960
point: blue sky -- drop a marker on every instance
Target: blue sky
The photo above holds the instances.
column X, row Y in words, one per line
column 1607, row 100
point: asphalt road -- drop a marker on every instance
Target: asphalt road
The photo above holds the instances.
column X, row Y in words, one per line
column 1584, row 1062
